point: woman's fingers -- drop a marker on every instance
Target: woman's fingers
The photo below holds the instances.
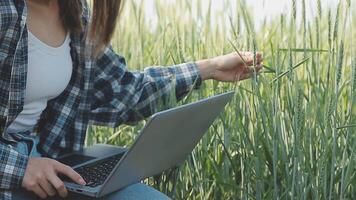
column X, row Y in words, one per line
column 41, row 177
column 58, row 185
column 249, row 72
column 39, row 191
column 69, row 172
column 251, row 69
column 259, row 67
column 47, row 187
column 248, row 58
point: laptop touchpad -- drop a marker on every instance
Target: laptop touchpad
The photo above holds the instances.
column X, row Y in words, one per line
column 75, row 159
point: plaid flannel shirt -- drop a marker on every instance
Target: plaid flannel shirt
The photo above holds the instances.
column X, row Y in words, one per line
column 100, row 92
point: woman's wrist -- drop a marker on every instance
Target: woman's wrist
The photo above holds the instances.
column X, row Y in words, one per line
column 206, row 68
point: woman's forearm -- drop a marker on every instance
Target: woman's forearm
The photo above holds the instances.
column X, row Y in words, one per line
column 206, row 68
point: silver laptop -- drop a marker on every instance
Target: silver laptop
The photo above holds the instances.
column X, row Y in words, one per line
column 166, row 141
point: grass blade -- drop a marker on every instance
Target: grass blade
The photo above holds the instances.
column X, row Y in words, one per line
column 286, row 72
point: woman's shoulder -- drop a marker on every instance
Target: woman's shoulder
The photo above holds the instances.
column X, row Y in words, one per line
column 9, row 12
column 8, row 7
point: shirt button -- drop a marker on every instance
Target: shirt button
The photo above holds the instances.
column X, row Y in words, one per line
column 23, row 20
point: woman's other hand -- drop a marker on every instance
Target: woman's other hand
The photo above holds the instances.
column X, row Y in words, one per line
column 231, row 67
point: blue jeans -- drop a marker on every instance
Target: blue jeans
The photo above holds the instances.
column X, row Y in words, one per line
column 27, row 145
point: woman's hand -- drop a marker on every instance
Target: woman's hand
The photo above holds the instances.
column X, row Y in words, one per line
column 41, row 177
column 231, row 67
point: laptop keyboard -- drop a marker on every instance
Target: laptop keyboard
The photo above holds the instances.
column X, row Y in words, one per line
column 96, row 173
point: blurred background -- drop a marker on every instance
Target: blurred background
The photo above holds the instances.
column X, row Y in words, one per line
column 261, row 10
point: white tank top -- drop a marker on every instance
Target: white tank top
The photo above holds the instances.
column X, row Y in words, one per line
column 49, row 72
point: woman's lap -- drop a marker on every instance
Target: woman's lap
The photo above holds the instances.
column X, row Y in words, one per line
column 137, row 191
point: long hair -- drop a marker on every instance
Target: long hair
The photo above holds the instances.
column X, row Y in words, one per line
column 103, row 20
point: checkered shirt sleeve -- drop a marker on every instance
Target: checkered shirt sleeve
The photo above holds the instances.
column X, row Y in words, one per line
column 12, row 167
column 121, row 96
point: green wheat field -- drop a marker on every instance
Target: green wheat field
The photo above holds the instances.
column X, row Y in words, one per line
column 290, row 132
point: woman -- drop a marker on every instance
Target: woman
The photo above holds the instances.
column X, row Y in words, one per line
column 59, row 74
